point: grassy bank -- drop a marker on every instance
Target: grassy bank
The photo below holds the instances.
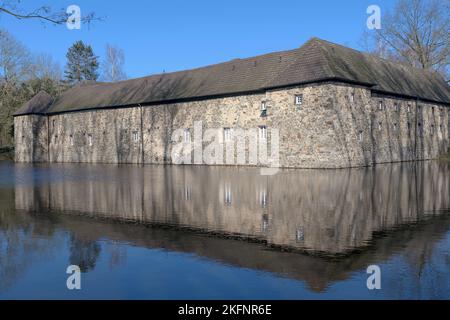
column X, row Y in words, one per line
column 7, row 153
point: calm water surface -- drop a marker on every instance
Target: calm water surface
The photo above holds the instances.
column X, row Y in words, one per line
column 192, row 232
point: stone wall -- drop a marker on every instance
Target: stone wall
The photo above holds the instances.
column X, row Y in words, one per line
column 336, row 126
column 30, row 138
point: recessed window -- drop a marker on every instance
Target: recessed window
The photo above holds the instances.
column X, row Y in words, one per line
column 396, row 107
column 352, row 97
column 409, row 125
column 227, row 196
column 380, row 126
column 71, row 140
column 135, row 136
column 380, row 105
column 360, row 136
column 265, row 222
column 395, row 126
column 263, row 198
column 187, row 135
column 300, row 234
column 298, row 100
column 262, row 133
column 227, row 134
column 432, row 110
column 263, row 108
column 90, row 140
column 409, row 107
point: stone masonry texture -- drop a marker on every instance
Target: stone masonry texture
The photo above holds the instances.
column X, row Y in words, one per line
column 336, row 126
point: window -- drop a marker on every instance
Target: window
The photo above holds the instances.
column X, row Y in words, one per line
column 135, row 136
column 227, row 196
column 352, row 97
column 187, row 135
column 300, row 234
column 263, row 108
column 187, row 192
column 396, row 107
column 90, row 140
column 380, row 105
column 265, row 222
column 432, row 110
column 227, row 134
column 262, row 133
column 360, row 136
column 380, row 126
column 432, row 129
column 395, row 126
column 298, row 100
column 263, row 198
column 409, row 125
column 409, row 107
column 71, row 140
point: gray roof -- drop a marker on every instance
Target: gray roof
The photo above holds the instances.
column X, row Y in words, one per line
column 37, row 105
column 317, row 60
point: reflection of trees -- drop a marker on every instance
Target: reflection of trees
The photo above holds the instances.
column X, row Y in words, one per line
column 22, row 240
column 83, row 253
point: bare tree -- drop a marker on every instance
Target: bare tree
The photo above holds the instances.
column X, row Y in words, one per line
column 22, row 75
column 44, row 13
column 14, row 59
column 416, row 32
column 113, row 64
column 44, row 67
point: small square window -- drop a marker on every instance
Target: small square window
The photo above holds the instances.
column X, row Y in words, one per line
column 262, row 133
column 187, row 135
column 298, row 100
column 135, row 136
column 263, row 105
column 300, row 234
column 263, row 109
column 227, row 134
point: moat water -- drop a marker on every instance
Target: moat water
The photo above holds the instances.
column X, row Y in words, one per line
column 193, row 232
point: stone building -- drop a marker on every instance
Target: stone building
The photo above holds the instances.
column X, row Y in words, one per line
column 331, row 107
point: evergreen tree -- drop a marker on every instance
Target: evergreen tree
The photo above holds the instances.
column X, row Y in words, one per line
column 82, row 63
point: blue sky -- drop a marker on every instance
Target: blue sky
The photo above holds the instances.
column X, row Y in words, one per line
column 180, row 34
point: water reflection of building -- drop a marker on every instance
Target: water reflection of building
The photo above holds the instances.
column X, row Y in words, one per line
column 322, row 210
